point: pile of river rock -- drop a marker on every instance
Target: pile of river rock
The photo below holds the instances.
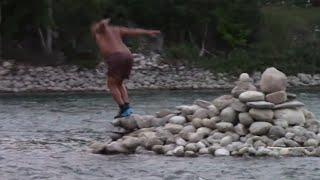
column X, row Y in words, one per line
column 149, row 72
column 264, row 122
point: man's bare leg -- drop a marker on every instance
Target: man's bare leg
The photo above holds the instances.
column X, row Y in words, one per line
column 124, row 93
column 113, row 85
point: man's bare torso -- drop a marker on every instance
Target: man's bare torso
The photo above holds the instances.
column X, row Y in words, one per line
column 110, row 41
column 109, row 38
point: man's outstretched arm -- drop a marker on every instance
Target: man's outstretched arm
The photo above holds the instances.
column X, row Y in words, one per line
column 138, row 32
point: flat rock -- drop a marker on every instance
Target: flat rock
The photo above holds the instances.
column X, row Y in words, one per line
column 273, row 80
column 262, row 114
column 250, row 96
column 260, row 128
column 292, row 104
column 277, row 97
column 260, row 105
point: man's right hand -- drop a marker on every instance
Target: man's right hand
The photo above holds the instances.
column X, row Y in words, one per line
column 154, row 33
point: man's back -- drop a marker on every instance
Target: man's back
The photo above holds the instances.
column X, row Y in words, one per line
column 109, row 40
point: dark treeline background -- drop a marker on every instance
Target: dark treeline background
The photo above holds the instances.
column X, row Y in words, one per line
column 221, row 35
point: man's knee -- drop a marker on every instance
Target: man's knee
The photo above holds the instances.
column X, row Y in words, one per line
column 113, row 82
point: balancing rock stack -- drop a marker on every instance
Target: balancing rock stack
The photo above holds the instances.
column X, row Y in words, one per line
column 269, row 122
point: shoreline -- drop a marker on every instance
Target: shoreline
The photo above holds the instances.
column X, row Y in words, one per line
column 137, row 91
column 148, row 73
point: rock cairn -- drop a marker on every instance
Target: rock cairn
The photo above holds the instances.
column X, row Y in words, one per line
column 269, row 122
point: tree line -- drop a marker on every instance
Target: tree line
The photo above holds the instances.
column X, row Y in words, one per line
column 52, row 29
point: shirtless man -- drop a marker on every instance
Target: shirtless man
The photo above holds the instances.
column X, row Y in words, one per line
column 118, row 58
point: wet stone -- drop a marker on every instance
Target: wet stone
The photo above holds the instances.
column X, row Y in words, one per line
column 292, row 104
column 250, row 96
column 260, row 105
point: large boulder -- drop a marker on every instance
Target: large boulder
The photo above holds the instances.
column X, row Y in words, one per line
column 292, row 116
column 250, row 96
column 260, row 128
column 273, row 80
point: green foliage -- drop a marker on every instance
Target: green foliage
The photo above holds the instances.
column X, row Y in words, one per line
column 238, row 35
column 237, row 20
column 19, row 14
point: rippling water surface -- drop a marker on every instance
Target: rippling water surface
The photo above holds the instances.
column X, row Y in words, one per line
column 46, row 136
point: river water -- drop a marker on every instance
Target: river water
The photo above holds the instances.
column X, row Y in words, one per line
column 47, row 136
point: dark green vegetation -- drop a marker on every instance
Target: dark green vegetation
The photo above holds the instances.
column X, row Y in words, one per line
column 229, row 36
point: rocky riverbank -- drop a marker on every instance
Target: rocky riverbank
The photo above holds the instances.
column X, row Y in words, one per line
column 264, row 121
column 148, row 73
